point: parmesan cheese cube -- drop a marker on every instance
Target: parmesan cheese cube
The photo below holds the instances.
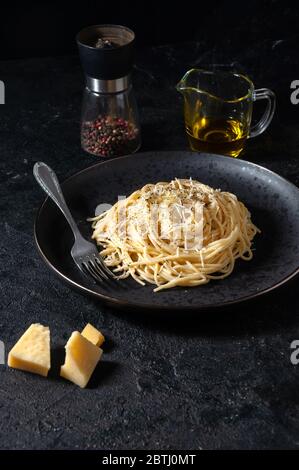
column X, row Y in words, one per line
column 32, row 352
column 80, row 360
column 93, row 335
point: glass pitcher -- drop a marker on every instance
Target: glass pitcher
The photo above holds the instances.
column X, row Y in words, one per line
column 218, row 110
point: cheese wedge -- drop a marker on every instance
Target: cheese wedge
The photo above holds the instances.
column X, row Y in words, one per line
column 80, row 360
column 32, row 351
column 93, row 335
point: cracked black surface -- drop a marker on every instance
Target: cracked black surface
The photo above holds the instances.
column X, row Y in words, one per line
column 218, row 382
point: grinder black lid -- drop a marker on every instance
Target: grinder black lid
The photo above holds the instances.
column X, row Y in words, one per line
column 111, row 62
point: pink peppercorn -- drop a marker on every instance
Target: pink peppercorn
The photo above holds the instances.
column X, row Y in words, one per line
column 108, row 136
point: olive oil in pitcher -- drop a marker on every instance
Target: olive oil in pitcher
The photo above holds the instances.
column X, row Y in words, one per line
column 223, row 136
column 218, row 110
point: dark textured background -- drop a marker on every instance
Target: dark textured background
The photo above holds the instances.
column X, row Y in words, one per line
column 31, row 28
column 222, row 381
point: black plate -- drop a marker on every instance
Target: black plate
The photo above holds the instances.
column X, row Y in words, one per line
column 273, row 202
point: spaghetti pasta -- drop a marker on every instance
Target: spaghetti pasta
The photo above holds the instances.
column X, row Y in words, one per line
column 181, row 233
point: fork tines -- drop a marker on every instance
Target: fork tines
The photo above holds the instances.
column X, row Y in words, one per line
column 97, row 269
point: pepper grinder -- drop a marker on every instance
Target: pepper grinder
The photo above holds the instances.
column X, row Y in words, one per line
column 109, row 123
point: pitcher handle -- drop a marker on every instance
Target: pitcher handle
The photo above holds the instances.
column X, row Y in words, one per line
column 261, row 126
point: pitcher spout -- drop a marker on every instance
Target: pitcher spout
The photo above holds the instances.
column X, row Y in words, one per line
column 187, row 82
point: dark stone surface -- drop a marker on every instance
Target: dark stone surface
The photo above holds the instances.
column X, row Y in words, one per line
column 223, row 381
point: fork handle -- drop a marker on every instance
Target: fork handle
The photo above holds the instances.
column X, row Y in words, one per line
column 48, row 181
